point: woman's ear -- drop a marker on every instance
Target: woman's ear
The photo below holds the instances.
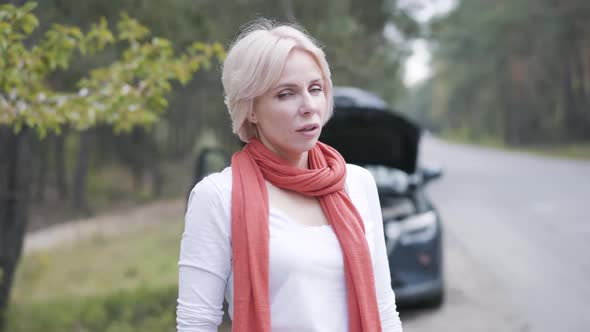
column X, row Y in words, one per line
column 252, row 117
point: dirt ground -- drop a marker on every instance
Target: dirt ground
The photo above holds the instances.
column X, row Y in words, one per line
column 107, row 224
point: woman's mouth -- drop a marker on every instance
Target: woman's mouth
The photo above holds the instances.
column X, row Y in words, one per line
column 309, row 130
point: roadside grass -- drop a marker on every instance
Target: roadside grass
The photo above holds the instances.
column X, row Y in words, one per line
column 579, row 150
column 572, row 151
column 119, row 283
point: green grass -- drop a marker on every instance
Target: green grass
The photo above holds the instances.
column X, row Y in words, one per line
column 142, row 309
column 122, row 283
column 572, row 151
column 146, row 258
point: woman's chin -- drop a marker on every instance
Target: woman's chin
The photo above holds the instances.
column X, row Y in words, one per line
column 299, row 149
column 308, row 145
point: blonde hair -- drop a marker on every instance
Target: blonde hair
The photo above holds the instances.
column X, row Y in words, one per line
column 255, row 62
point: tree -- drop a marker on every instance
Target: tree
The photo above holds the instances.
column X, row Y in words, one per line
column 517, row 71
column 128, row 92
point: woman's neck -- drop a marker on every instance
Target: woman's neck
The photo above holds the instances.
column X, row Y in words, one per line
column 301, row 161
column 298, row 160
column 295, row 160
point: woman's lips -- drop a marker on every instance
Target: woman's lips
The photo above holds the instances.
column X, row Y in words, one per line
column 310, row 130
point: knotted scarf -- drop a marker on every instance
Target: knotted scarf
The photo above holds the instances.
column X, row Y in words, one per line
column 325, row 179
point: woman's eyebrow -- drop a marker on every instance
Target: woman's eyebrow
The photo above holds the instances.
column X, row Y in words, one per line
column 285, row 85
column 293, row 85
column 317, row 80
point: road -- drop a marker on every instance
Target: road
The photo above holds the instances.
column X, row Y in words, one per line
column 516, row 241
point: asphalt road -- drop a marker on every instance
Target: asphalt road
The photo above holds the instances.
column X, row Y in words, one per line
column 516, row 241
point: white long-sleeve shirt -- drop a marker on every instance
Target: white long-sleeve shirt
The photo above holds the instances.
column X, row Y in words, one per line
column 307, row 282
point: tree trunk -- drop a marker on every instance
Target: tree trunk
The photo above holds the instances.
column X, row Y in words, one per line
column 41, row 168
column 507, row 102
column 15, row 187
column 157, row 180
column 60, row 166
column 571, row 117
column 289, row 12
column 79, row 190
column 581, row 99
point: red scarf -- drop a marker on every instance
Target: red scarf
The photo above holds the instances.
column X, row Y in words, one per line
column 250, row 233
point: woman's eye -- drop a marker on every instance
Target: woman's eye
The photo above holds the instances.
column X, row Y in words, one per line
column 284, row 94
column 315, row 88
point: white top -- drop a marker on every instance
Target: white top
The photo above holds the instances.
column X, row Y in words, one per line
column 307, row 282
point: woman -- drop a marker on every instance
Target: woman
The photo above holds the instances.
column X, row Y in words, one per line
column 290, row 233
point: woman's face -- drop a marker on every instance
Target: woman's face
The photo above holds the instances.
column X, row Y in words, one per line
column 289, row 116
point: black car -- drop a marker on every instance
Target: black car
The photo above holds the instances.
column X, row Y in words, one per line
column 367, row 133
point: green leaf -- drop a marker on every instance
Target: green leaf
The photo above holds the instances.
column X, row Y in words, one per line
column 149, row 65
column 30, row 22
column 29, row 6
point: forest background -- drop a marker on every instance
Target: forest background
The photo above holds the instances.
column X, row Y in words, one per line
column 513, row 74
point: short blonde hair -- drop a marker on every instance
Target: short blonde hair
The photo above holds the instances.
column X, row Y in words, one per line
column 255, row 62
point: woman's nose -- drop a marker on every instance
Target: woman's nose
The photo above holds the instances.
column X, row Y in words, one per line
column 308, row 104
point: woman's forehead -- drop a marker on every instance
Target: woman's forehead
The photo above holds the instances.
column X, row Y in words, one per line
column 299, row 67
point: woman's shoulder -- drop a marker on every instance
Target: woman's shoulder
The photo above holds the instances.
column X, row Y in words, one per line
column 356, row 174
column 359, row 184
column 215, row 185
column 208, row 210
column 222, row 179
column 220, row 183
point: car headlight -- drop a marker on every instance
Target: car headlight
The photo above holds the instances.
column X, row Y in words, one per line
column 413, row 229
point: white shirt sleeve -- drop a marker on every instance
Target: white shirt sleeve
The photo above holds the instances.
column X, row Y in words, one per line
column 205, row 260
column 390, row 320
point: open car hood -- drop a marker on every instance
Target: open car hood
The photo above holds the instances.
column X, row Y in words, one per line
column 366, row 132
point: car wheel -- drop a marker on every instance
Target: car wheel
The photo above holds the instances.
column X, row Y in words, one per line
column 435, row 301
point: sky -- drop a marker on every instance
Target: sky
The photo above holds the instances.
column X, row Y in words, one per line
column 417, row 66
